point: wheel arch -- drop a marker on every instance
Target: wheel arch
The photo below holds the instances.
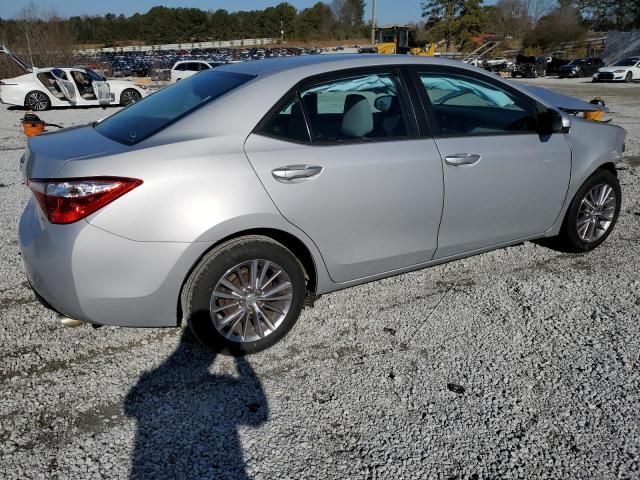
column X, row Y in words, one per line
column 288, row 240
column 609, row 167
column 36, row 88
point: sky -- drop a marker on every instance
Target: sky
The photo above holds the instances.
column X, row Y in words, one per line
column 388, row 11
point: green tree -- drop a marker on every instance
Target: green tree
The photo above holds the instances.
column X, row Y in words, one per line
column 611, row 14
column 454, row 20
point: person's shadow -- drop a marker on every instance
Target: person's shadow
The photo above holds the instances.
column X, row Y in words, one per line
column 187, row 418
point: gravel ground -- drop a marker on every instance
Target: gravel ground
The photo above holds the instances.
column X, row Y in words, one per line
column 519, row 363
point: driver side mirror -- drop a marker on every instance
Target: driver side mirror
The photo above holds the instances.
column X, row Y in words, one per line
column 554, row 121
column 104, row 79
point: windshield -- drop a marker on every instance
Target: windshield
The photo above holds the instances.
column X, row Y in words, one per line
column 627, row 62
column 156, row 112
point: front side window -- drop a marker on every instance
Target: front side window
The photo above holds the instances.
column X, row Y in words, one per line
column 155, row 112
column 367, row 107
column 465, row 105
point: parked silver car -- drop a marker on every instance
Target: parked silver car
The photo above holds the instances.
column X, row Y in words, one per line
column 235, row 197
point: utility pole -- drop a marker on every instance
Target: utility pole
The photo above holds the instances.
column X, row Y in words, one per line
column 373, row 22
column 281, row 32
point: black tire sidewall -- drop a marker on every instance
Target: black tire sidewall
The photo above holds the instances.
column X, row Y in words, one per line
column 570, row 229
column 125, row 91
column 211, row 269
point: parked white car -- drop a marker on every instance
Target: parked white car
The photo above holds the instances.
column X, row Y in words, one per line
column 186, row 68
column 625, row 70
column 43, row 88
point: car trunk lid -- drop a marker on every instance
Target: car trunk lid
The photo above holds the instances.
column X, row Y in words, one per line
column 47, row 153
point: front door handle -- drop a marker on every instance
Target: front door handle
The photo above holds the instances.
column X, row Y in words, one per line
column 458, row 159
column 293, row 173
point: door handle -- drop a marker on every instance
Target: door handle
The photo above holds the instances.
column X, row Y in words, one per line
column 293, row 173
column 458, row 159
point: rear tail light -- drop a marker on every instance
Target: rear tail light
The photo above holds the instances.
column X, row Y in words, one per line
column 67, row 200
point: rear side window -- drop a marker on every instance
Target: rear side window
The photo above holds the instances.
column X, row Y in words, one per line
column 155, row 112
column 368, row 107
column 468, row 106
column 288, row 123
column 364, row 107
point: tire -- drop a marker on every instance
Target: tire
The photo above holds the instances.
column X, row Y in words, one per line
column 628, row 77
column 208, row 303
column 571, row 238
column 37, row 101
column 129, row 96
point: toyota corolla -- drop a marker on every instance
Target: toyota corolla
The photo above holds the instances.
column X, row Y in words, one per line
column 233, row 198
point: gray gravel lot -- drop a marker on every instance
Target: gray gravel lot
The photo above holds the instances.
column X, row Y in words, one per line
column 519, row 363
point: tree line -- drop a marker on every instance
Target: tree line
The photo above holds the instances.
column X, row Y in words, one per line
column 341, row 19
column 537, row 24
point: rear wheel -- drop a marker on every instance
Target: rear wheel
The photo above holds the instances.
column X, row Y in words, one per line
column 37, row 101
column 592, row 214
column 129, row 96
column 245, row 295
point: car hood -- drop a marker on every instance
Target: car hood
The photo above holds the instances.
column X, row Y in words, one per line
column 563, row 102
column 47, row 153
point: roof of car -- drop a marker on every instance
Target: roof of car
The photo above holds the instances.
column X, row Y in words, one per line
column 331, row 62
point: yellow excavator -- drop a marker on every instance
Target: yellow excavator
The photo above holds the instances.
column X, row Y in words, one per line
column 400, row 39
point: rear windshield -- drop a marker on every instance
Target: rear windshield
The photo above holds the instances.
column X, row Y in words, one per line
column 142, row 119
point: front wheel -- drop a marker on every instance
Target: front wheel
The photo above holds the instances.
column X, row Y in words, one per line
column 129, row 96
column 592, row 214
column 245, row 295
column 628, row 77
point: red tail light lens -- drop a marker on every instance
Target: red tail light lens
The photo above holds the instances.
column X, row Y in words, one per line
column 67, row 200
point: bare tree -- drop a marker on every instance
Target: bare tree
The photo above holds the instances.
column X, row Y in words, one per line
column 44, row 37
column 539, row 8
column 510, row 18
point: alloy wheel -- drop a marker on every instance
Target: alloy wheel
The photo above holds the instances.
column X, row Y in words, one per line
column 596, row 212
column 251, row 300
column 129, row 97
column 37, row 101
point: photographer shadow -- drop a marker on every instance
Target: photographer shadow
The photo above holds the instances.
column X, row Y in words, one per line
column 187, row 418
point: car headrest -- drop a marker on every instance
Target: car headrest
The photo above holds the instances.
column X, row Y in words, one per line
column 357, row 120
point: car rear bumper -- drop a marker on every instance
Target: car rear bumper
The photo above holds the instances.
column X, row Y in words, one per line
column 86, row 273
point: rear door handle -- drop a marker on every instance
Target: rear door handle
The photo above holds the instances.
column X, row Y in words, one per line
column 458, row 159
column 296, row 173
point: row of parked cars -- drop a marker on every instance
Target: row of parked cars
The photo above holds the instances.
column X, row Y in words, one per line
column 151, row 63
column 624, row 70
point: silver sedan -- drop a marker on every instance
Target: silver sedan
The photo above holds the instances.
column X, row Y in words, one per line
column 234, row 198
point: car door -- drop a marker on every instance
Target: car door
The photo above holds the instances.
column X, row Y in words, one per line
column 67, row 87
column 503, row 180
column 343, row 161
column 102, row 92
